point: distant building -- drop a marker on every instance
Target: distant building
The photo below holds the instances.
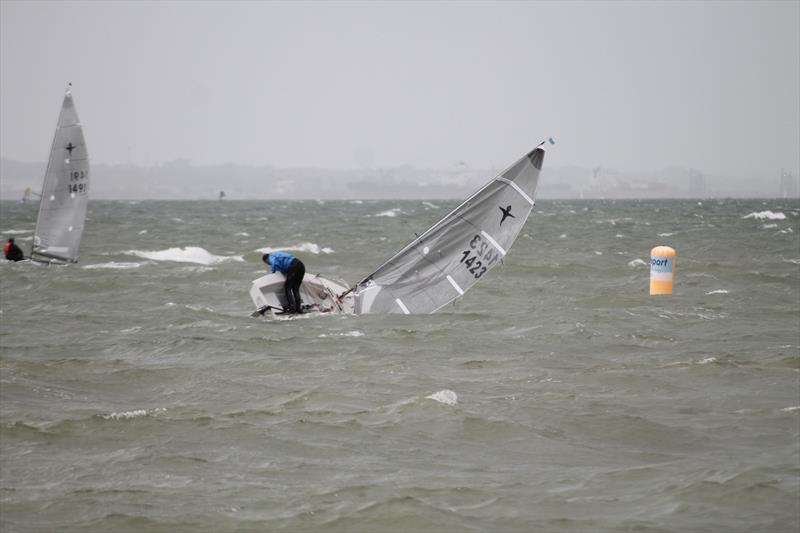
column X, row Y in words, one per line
column 789, row 188
column 697, row 183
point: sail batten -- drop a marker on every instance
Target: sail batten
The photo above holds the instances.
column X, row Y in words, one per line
column 65, row 190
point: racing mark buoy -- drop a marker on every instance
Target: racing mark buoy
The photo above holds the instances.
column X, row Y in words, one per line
column 662, row 270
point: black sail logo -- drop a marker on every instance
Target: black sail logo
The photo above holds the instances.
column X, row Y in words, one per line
column 506, row 213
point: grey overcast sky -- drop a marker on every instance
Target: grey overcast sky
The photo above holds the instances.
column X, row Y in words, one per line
column 713, row 85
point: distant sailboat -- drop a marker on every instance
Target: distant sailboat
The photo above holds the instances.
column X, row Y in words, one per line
column 65, row 191
column 438, row 266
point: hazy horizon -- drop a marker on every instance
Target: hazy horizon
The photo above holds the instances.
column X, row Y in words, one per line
column 626, row 85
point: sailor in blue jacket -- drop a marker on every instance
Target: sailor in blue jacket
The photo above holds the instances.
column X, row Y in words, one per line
column 294, row 269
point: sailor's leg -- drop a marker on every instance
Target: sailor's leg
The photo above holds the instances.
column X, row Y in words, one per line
column 293, row 280
column 287, row 289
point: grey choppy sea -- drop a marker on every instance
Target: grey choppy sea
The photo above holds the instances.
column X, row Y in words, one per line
column 137, row 395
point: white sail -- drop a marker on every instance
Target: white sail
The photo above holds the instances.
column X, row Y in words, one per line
column 65, row 192
column 459, row 250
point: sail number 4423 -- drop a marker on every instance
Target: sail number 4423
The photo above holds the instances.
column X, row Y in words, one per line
column 479, row 257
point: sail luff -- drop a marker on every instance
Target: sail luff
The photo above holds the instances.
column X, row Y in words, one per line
column 47, row 170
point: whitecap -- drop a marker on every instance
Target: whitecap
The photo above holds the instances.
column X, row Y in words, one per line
column 242, row 234
column 127, row 415
column 113, row 265
column 431, row 205
column 761, row 215
column 309, row 247
column 144, row 231
column 666, row 234
column 390, row 213
column 769, row 226
column 707, row 360
column 190, row 254
column 637, row 262
column 16, row 231
column 718, row 291
column 445, row 396
column 791, row 409
column 354, row 333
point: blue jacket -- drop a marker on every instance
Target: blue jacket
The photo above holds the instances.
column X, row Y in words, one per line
column 280, row 261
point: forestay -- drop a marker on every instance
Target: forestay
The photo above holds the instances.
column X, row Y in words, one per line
column 459, row 250
column 65, row 190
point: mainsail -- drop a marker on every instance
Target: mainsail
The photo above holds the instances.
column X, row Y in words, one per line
column 62, row 209
column 459, row 250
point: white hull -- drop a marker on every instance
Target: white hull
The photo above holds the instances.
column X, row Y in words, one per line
column 318, row 294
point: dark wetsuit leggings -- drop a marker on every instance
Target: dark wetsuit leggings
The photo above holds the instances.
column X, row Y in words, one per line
column 294, row 277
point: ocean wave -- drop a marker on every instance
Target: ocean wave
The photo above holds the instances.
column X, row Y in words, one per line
column 389, row 213
column 718, row 291
column 113, row 265
column 761, row 215
column 127, row 415
column 190, row 254
column 637, row 262
column 354, row 333
column 16, row 231
column 444, row 396
column 309, row 247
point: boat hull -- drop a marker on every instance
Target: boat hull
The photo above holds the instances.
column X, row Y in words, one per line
column 317, row 294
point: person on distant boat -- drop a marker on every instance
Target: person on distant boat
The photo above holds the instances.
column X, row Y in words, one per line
column 295, row 270
column 12, row 251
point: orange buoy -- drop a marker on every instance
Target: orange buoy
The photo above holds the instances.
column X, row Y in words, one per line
column 662, row 269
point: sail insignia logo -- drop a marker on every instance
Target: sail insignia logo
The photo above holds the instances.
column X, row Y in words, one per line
column 506, row 213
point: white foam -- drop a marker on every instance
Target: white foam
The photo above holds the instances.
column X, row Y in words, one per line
column 113, row 265
column 666, row 234
column 637, row 262
column 242, row 234
column 761, row 215
column 127, row 415
column 143, row 232
column 353, row 333
column 309, row 247
column 718, row 291
column 190, row 254
column 431, row 205
column 390, row 213
column 769, row 226
column 445, row 396
column 707, row 360
column 16, row 231
column 791, row 409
